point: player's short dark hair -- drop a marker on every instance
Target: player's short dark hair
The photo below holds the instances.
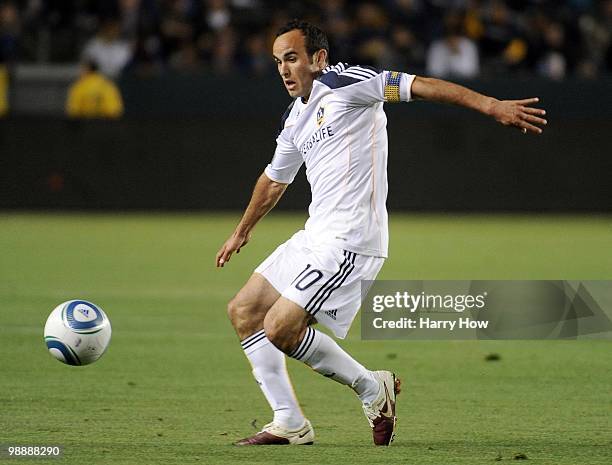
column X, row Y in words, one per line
column 314, row 38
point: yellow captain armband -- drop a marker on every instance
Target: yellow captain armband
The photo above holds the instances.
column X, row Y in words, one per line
column 392, row 86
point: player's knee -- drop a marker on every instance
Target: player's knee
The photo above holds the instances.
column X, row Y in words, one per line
column 276, row 337
column 282, row 336
column 239, row 314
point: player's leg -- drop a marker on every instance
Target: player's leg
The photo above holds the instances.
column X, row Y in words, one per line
column 249, row 306
column 330, row 291
column 247, row 311
column 286, row 325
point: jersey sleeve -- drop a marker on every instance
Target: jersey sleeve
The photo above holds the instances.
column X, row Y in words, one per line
column 361, row 85
column 286, row 162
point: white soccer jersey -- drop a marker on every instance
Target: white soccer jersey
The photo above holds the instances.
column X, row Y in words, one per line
column 341, row 136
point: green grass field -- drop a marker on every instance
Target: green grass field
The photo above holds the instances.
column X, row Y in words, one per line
column 175, row 387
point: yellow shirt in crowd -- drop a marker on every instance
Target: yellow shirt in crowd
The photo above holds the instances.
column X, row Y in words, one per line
column 94, row 96
column 3, row 91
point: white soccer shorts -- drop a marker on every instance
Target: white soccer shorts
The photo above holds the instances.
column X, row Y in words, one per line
column 324, row 280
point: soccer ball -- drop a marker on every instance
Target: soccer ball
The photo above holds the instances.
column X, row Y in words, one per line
column 77, row 332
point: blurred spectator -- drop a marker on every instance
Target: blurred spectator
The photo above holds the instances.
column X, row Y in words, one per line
column 411, row 14
column 218, row 15
column 219, row 41
column 337, row 25
column 606, row 20
column 176, row 27
column 501, row 44
column 108, row 50
column 4, row 89
column 553, row 63
column 406, row 51
column 147, row 60
column 597, row 33
column 224, row 50
column 10, row 28
column 257, row 56
column 186, row 58
column 129, row 18
column 93, row 95
column 453, row 56
column 370, row 39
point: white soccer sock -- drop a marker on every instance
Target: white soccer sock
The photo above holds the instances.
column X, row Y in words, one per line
column 270, row 372
column 322, row 354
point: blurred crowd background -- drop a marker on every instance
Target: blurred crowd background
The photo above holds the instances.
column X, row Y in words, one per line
column 445, row 38
column 192, row 90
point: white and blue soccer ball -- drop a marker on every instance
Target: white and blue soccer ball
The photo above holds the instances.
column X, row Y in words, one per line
column 77, row 332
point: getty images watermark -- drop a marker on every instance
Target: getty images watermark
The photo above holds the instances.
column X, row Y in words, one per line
column 486, row 309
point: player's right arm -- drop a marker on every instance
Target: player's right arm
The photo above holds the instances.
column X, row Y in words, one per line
column 265, row 195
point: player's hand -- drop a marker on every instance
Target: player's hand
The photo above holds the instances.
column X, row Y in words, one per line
column 233, row 244
column 519, row 113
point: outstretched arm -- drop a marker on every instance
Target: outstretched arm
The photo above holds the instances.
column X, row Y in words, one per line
column 516, row 113
column 265, row 195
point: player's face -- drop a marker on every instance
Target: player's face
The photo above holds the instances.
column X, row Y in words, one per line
column 297, row 68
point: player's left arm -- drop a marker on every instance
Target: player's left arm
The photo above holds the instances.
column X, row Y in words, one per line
column 518, row 113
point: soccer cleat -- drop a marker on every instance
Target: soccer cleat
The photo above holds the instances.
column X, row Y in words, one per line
column 381, row 412
column 273, row 434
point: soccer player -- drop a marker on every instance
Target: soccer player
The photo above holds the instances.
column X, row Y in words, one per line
column 337, row 127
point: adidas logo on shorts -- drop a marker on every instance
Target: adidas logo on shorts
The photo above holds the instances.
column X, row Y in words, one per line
column 331, row 313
